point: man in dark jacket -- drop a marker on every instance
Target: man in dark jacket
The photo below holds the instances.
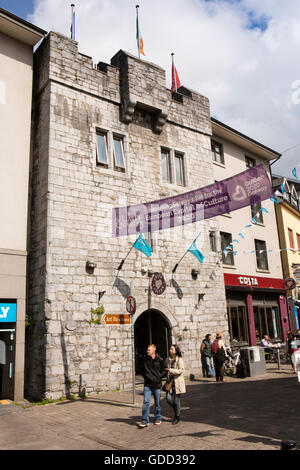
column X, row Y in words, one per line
column 152, row 371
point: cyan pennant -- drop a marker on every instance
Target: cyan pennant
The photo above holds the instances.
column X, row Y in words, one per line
column 197, row 253
column 294, row 173
column 141, row 245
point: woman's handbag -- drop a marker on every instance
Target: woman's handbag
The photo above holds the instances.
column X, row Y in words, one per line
column 167, row 387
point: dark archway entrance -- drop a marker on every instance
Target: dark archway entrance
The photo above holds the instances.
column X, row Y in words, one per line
column 152, row 327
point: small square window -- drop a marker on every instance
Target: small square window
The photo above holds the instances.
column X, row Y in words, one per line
column 179, row 169
column 118, row 152
column 218, row 153
column 166, row 165
column 250, row 162
column 261, row 255
column 102, row 148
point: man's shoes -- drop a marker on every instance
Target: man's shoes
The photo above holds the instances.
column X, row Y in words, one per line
column 157, row 422
column 175, row 420
column 143, row 424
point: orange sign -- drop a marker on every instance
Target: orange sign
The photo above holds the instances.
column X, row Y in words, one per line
column 116, row 319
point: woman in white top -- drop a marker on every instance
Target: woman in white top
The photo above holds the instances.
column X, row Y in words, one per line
column 175, row 369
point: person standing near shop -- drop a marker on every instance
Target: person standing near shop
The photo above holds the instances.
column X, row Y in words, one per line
column 206, row 355
column 175, row 369
column 219, row 356
column 152, row 370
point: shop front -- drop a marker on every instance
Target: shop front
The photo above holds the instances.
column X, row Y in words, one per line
column 256, row 306
column 8, row 315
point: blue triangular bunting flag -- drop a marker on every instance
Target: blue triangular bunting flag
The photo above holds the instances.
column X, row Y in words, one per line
column 294, row 173
column 141, row 245
column 194, row 250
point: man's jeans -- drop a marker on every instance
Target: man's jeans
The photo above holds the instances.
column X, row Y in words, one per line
column 146, row 405
column 210, row 365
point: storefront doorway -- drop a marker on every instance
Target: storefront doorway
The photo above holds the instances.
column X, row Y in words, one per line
column 152, row 327
column 7, row 360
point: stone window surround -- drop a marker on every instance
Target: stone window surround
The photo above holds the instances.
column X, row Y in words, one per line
column 111, row 163
column 172, row 152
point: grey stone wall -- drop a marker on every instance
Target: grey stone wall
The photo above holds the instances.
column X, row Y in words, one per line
column 71, row 218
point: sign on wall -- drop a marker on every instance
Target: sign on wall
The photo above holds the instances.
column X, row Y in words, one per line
column 241, row 190
column 8, row 312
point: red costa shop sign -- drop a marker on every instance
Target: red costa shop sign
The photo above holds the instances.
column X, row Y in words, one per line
column 242, row 280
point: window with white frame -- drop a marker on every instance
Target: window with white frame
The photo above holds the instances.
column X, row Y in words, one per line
column 228, row 257
column 218, row 152
column 261, row 255
column 166, row 165
column 101, row 148
column 179, row 168
column 118, row 151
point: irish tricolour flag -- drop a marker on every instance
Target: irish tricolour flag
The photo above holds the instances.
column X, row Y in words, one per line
column 139, row 39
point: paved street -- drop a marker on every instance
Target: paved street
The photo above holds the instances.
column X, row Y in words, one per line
column 252, row 413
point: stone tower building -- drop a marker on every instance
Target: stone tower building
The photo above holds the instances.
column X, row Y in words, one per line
column 105, row 137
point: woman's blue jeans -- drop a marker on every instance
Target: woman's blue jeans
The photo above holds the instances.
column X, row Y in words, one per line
column 146, row 405
column 174, row 401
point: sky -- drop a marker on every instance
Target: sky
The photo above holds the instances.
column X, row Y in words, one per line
column 242, row 54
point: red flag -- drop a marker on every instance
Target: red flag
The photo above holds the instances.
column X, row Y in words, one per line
column 175, row 78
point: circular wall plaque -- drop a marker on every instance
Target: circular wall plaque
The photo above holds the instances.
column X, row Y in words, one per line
column 71, row 325
column 289, row 283
column 158, row 283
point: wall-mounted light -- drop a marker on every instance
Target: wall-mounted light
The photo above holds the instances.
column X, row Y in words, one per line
column 90, row 267
column 195, row 274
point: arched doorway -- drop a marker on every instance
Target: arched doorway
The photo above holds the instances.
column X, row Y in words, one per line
column 152, row 327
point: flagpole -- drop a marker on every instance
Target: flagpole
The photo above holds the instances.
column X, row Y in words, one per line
column 72, row 22
column 176, row 265
column 138, row 29
column 173, row 72
column 123, row 261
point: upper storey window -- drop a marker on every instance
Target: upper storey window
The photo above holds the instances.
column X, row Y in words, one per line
column 218, row 153
column 102, row 148
column 250, row 162
column 118, row 152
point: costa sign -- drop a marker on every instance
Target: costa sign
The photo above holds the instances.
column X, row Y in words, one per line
column 239, row 280
column 248, row 281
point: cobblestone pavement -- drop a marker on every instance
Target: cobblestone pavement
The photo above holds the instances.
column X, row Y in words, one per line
column 254, row 413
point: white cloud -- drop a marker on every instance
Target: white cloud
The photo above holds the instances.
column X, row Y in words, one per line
column 246, row 73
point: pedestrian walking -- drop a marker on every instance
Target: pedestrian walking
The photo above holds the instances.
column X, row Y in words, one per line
column 175, row 369
column 152, row 370
column 219, row 356
column 291, row 347
column 206, row 356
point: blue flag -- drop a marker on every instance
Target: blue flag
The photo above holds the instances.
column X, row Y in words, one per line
column 274, row 200
column 294, row 173
column 141, row 245
column 194, row 250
